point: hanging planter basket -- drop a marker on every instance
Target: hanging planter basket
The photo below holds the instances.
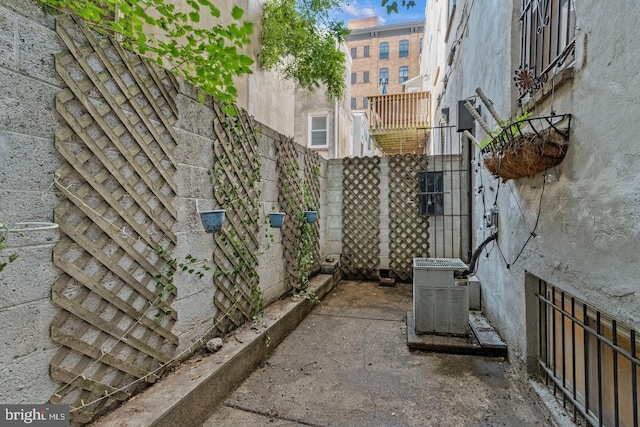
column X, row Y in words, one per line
column 276, row 219
column 212, row 220
column 528, row 147
column 311, row 216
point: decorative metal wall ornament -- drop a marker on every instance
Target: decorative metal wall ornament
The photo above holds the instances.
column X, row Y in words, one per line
column 526, row 80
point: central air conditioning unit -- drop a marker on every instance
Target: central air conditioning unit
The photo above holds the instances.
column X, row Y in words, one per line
column 440, row 301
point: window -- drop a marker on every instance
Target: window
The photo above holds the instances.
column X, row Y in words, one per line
column 384, row 50
column 431, row 195
column 353, row 103
column 589, row 356
column 420, row 45
column 365, row 102
column 384, row 76
column 403, row 74
column 366, row 51
column 354, row 78
column 365, row 77
column 548, row 34
column 319, row 131
column 354, row 52
column 404, row 48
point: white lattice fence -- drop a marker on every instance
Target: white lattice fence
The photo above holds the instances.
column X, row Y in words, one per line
column 361, row 217
column 408, row 231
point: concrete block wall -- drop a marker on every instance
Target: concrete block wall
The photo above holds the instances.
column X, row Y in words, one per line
column 28, row 160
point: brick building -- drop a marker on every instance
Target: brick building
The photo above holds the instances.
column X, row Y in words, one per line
column 382, row 53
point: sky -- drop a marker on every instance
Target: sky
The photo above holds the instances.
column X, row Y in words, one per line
column 355, row 9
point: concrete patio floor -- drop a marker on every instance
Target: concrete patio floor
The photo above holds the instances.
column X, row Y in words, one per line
column 348, row 364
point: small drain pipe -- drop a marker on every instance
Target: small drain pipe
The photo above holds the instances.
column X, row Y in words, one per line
column 474, row 258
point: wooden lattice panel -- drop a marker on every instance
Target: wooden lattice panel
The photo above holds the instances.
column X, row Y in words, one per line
column 408, row 231
column 290, row 199
column 361, row 217
column 117, row 177
column 312, row 190
column 236, row 189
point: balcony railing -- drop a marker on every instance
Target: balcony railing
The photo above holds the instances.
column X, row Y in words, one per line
column 408, row 110
column 399, row 122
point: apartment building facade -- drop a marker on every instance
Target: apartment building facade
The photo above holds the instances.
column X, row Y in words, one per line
column 383, row 57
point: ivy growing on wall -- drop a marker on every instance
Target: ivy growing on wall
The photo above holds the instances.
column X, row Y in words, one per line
column 207, row 56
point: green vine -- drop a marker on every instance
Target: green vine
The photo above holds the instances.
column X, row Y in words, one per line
column 302, row 41
column 229, row 193
column 305, row 251
column 207, row 56
column 4, row 235
column 164, row 279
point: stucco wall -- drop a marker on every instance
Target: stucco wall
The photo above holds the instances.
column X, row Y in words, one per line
column 588, row 229
column 28, row 159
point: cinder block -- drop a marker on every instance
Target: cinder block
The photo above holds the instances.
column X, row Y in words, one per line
column 27, row 163
column 29, row 277
column 36, row 47
column 195, row 117
column 24, row 99
column 8, row 24
column 193, row 182
column 26, row 380
column 26, row 329
column 194, row 150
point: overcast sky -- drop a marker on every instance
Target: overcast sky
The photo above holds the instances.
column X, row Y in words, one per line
column 355, row 9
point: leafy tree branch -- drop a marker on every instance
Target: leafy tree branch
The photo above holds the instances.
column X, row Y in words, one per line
column 300, row 40
column 207, row 57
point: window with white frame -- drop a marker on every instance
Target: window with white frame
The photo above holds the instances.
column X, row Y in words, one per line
column 319, row 131
column 548, row 35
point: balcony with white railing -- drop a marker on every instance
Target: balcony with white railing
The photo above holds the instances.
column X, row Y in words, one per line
column 399, row 122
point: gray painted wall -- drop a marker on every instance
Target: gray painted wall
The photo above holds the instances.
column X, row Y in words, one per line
column 589, row 227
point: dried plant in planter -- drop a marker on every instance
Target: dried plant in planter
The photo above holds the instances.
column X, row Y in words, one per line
column 528, row 146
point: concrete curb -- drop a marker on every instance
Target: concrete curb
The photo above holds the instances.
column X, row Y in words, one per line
column 190, row 395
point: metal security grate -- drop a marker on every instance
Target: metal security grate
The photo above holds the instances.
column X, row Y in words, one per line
column 439, row 263
column 590, row 358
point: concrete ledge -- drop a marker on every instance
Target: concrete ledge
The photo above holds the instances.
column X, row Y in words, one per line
column 190, row 395
column 484, row 344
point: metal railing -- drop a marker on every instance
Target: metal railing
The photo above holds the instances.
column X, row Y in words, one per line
column 590, row 357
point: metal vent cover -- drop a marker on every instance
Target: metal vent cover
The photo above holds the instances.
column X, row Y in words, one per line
column 439, row 263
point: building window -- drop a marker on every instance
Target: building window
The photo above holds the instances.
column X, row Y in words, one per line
column 353, row 103
column 366, row 51
column 319, row 131
column 404, row 48
column 431, row 195
column 548, row 34
column 354, row 52
column 590, row 357
column 365, row 102
column 353, row 78
column 420, row 45
column 403, row 74
column 384, row 50
column 365, row 77
column 384, row 76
